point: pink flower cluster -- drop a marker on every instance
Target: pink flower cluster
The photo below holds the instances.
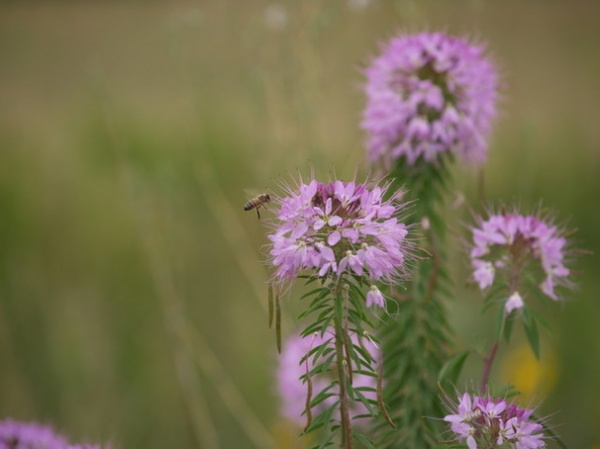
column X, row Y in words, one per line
column 509, row 242
column 335, row 228
column 427, row 94
column 294, row 392
column 21, row 435
column 486, row 422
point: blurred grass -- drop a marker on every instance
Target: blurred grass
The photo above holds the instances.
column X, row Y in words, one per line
column 130, row 131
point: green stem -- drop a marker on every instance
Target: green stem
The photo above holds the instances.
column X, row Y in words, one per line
column 488, row 361
column 342, row 364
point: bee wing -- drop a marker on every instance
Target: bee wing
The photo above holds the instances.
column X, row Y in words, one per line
column 253, row 193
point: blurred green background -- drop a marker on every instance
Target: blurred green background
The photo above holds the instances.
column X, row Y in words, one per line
column 132, row 288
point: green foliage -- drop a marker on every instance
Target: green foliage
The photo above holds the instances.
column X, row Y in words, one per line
column 415, row 345
column 451, row 370
column 427, row 183
column 336, row 310
column 529, row 323
column 504, row 324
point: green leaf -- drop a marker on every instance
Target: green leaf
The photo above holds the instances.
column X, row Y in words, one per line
column 364, row 440
column 451, row 370
column 357, row 291
column 309, row 279
column 322, row 420
column 322, row 396
column 270, row 295
column 320, row 326
column 488, row 304
column 531, row 332
column 313, row 292
column 508, row 325
column 366, row 358
column 326, row 324
column 322, row 367
column 326, row 443
column 368, row 403
column 310, row 311
column 500, row 322
column 505, row 391
column 541, row 320
column 317, row 352
column 494, row 292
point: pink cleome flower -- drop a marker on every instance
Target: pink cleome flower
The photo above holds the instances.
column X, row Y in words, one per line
column 427, row 94
column 484, row 419
column 23, row 435
column 294, row 392
column 335, row 228
column 511, row 243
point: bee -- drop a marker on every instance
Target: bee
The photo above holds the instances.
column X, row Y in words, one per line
column 257, row 203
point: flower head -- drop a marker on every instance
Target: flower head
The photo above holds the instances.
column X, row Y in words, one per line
column 338, row 227
column 428, row 94
column 20, row 435
column 511, row 243
column 15, row 434
column 294, row 391
column 478, row 419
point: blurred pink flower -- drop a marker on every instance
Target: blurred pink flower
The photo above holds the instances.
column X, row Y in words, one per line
column 428, row 94
column 294, row 392
column 23, row 435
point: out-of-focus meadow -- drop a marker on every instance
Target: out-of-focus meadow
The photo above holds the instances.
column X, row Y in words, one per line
column 132, row 288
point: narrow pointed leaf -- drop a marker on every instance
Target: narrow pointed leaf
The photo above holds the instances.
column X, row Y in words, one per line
column 532, row 333
column 278, row 323
column 500, row 322
column 307, row 408
column 270, row 295
column 451, row 370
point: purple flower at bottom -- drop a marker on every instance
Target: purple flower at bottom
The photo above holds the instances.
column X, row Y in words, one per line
column 429, row 94
column 337, row 228
column 18, row 435
column 21, row 435
column 524, row 434
column 478, row 419
column 294, row 392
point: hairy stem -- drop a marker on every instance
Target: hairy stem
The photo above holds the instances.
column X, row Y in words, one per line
column 340, row 338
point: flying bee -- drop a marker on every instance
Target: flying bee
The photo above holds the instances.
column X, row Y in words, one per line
column 257, row 203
